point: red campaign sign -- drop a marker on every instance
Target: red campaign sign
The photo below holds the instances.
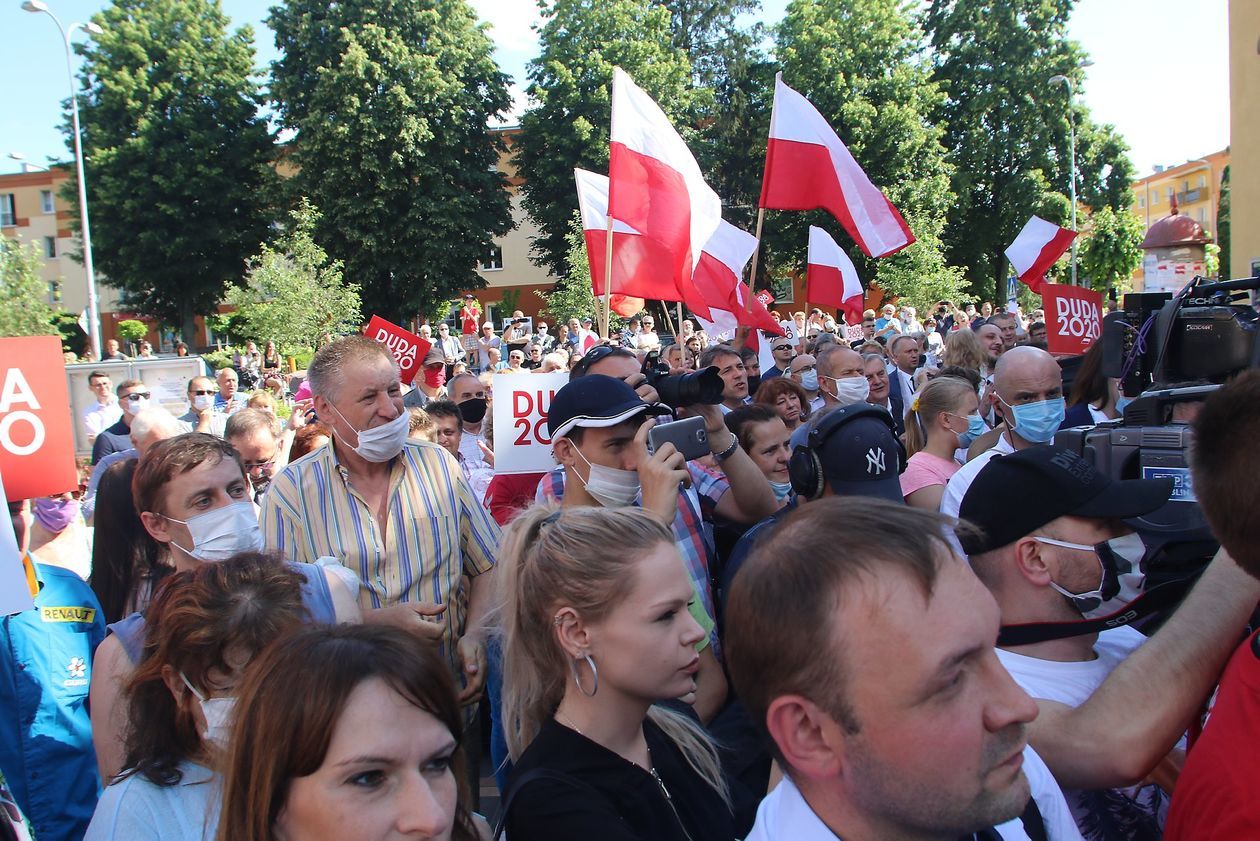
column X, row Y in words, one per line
column 36, row 436
column 408, row 349
column 1073, row 317
column 765, row 297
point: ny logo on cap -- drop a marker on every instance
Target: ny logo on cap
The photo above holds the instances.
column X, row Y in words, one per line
column 875, row 461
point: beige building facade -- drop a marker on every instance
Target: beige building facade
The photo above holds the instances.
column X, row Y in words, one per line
column 1244, row 116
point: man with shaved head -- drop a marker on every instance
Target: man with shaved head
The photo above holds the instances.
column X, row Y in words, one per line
column 1027, row 393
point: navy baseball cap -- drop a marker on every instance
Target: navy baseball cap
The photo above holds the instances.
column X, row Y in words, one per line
column 859, row 452
column 596, row 400
column 1016, row 494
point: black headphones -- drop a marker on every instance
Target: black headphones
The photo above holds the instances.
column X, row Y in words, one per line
column 805, row 467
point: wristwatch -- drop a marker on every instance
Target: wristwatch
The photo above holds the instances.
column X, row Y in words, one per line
column 729, row 451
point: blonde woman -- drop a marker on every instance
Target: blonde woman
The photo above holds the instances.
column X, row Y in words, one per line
column 944, row 418
column 594, row 637
column 962, row 348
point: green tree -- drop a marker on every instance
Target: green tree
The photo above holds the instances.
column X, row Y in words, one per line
column 132, row 331
column 582, row 41
column 389, row 102
column 294, row 293
column 860, row 63
column 24, row 310
column 1222, row 226
column 573, row 295
column 179, row 173
column 1007, row 128
column 1112, row 249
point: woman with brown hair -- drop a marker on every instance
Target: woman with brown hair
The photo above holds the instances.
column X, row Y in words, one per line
column 346, row 734
column 204, row 625
column 787, row 398
column 962, row 348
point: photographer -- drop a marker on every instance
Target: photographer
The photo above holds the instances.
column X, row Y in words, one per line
column 516, row 334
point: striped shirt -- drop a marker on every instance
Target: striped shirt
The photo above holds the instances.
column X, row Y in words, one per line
column 436, row 530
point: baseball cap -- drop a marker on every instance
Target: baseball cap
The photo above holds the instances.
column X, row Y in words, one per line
column 586, row 319
column 859, row 453
column 488, row 324
column 1016, row 494
column 469, row 296
column 596, row 401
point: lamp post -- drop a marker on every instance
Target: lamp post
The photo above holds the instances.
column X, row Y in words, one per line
column 1060, row 79
column 27, row 166
column 94, row 315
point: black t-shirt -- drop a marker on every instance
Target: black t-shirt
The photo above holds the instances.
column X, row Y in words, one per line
column 611, row 799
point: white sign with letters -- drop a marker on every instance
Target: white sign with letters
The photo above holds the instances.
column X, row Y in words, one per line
column 521, row 440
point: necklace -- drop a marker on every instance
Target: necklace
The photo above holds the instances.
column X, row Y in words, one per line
column 568, row 722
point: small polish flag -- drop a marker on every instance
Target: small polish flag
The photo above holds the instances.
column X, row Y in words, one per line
column 717, row 277
column 831, row 278
column 808, row 167
column 1036, row 248
column 656, row 186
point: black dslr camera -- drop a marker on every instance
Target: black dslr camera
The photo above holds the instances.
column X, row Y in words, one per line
column 678, row 390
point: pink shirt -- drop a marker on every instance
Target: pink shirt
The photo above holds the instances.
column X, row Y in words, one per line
column 924, row 470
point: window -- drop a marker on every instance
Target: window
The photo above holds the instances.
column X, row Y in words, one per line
column 50, row 247
column 1202, row 181
column 1154, row 198
column 1141, row 201
column 493, row 259
column 54, row 291
column 8, row 215
column 46, row 201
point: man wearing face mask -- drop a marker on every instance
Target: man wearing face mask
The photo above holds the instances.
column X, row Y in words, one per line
column 132, row 397
column 1053, row 547
column 192, row 495
column 202, row 416
column 841, row 377
column 804, row 370
column 397, row 511
column 467, row 392
column 1027, row 393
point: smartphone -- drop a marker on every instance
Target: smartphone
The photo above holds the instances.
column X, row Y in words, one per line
column 687, row 435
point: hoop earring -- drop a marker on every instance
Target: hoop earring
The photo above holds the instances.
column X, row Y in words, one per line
column 578, row 681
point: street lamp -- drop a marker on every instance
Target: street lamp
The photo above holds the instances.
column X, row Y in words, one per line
column 27, row 166
column 94, row 315
column 1060, row 79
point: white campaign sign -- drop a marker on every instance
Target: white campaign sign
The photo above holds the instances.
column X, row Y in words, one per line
column 15, row 596
column 521, row 441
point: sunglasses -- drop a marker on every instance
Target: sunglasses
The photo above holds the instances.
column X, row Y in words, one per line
column 203, row 392
column 138, row 395
column 782, row 347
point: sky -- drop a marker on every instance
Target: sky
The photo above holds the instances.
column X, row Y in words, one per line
column 1160, row 72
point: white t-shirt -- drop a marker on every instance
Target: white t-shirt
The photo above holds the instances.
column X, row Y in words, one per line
column 1102, row 815
column 961, row 481
column 101, row 416
column 785, row 816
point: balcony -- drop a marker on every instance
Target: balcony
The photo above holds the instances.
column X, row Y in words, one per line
column 1192, row 196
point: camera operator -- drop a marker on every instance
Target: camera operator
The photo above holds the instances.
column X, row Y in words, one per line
column 516, row 335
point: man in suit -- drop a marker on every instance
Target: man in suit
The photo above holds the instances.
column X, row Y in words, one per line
column 882, row 394
column 904, row 352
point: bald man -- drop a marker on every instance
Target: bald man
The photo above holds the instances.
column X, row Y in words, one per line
column 1027, row 394
column 841, row 377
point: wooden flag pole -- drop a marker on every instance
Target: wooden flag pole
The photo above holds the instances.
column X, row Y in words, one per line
column 752, row 275
column 669, row 322
column 608, row 249
column 680, row 317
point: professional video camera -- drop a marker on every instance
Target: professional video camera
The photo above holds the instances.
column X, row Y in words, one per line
column 678, row 390
column 1206, row 332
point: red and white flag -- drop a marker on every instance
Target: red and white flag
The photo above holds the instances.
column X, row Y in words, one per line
column 831, row 278
column 1036, row 248
column 717, row 278
column 808, row 167
column 656, row 186
column 641, row 267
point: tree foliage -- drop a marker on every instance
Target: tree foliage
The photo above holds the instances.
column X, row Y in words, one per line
column 24, row 311
column 389, row 102
column 1112, row 250
column 294, row 293
column 568, row 123
column 860, row 63
column 1223, row 226
column 1007, row 128
column 177, row 154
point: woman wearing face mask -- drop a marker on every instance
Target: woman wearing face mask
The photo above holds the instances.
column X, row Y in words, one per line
column 193, row 498
column 59, row 535
column 764, row 436
column 593, row 639
column 346, row 734
column 943, row 419
column 207, row 625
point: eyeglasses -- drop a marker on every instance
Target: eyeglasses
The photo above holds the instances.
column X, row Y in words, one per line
column 259, row 465
column 783, row 347
column 202, row 392
column 138, row 395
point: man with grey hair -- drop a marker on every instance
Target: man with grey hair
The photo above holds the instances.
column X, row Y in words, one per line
column 202, row 416
column 147, row 428
column 395, row 510
column 841, row 376
column 256, row 435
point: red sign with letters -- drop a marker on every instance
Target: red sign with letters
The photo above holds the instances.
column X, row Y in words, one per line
column 765, row 297
column 1073, row 317
column 408, row 349
column 36, row 436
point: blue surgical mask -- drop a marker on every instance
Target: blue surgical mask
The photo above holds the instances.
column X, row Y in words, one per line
column 782, row 490
column 809, row 380
column 1037, row 422
column 1122, row 404
column 975, row 428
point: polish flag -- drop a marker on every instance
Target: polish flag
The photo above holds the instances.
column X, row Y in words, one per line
column 718, row 273
column 656, row 185
column 1036, row 248
column 807, row 167
column 831, row 278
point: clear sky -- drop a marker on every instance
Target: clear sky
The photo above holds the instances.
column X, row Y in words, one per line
column 1160, row 73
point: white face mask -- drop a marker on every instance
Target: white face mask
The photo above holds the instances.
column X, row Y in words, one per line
column 1121, row 576
column 218, row 714
column 219, row 534
column 809, row 380
column 379, row 443
column 611, row 487
column 851, row 389
column 203, row 401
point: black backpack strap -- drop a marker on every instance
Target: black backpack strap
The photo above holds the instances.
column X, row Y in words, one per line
column 528, row 777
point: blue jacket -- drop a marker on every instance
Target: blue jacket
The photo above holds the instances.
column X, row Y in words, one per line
column 46, row 752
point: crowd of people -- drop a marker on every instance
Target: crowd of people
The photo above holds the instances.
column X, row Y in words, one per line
column 308, row 606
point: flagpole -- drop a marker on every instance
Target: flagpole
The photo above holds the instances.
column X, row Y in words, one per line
column 608, row 249
column 752, row 275
column 680, row 317
column 669, row 322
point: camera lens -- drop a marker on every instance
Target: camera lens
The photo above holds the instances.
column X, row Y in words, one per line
column 690, row 389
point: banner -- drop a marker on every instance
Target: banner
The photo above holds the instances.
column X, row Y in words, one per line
column 765, row 297
column 408, row 349
column 36, row 436
column 521, row 440
column 1073, row 317
column 853, row 332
